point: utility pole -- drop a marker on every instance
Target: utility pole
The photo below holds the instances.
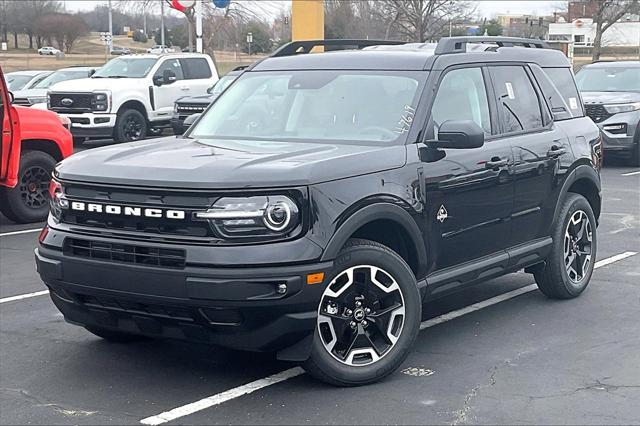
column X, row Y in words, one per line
column 198, row 13
column 110, row 45
column 162, row 22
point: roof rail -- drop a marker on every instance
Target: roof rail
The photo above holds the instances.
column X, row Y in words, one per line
column 459, row 44
column 305, row 46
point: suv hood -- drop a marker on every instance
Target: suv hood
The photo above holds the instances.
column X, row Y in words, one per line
column 186, row 163
column 610, row 97
column 97, row 84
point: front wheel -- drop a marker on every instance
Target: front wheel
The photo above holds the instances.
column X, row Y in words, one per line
column 368, row 316
column 131, row 126
column 28, row 201
column 570, row 264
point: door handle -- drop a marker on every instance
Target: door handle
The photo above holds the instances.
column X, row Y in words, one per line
column 556, row 151
column 496, row 162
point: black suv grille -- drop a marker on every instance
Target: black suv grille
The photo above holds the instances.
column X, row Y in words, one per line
column 159, row 229
column 79, row 102
column 126, row 253
column 191, row 108
column 597, row 112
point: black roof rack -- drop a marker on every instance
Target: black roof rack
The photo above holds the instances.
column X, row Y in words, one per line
column 459, row 44
column 305, row 46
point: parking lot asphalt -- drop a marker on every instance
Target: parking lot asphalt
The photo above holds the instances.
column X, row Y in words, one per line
column 496, row 353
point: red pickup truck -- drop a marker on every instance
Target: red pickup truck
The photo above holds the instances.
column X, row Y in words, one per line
column 33, row 141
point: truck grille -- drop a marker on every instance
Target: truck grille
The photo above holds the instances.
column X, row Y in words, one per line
column 191, row 108
column 125, row 253
column 597, row 112
column 80, row 102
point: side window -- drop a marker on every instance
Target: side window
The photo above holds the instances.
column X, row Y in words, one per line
column 554, row 99
column 195, row 68
column 173, row 65
column 563, row 80
column 517, row 100
column 462, row 95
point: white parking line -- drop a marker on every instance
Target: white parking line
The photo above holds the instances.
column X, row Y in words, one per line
column 230, row 394
column 631, row 173
column 24, row 296
column 24, row 231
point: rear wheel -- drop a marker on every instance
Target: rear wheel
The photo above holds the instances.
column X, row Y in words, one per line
column 115, row 336
column 368, row 316
column 570, row 264
column 28, row 201
column 131, row 126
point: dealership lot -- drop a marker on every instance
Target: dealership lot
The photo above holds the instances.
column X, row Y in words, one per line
column 497, row 353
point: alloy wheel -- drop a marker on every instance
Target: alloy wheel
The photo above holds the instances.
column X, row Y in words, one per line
column 578, row 238
column 34, row 186
column 132, row 129
column 361, row 315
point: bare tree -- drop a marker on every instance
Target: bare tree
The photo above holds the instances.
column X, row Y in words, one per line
column 608, row 13
column 62, row 28
column 422, row 20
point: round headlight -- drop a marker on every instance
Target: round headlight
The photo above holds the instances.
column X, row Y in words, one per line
column 277, row 216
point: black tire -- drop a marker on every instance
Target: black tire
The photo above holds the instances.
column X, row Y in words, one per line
column 554, row 279
column 115, row 336
column 635, row 154
column 323, row 365
column 131, row 126
column 28, row 201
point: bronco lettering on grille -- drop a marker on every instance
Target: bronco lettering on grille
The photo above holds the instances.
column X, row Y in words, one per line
column 127, row 211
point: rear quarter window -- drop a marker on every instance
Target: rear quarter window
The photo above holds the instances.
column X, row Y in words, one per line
column 196, row 68
column 563, row 79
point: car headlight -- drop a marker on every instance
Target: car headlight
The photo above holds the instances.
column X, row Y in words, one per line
column 58, row 200
column 618, row 108
column 175, row 107
column 265, row 217
column 37, row 100
column 65, row 121
column 101, row 101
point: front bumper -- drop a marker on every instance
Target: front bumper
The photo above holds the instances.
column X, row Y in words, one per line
column 91, row 125
column 623, row 143
column 236, row 307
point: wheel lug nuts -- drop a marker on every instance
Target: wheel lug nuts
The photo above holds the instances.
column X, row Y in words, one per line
column 348, row 312
column 365, row 323
column 353, row 324
column 367, row 310
column 358, row 303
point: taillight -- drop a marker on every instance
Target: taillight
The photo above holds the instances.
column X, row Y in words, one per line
column 597, row 153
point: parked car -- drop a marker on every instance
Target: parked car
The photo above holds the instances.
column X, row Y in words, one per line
column 22, row 80
column 160, row 48
column 611, row 94
column 48, row 50
column 323, row 197
column 38, row 93
column 33, row 142
column 132, row 94
column 119, row 51
column 190, row 105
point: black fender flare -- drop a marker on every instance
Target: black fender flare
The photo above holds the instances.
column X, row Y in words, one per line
column 582, row 171
column 373, row 212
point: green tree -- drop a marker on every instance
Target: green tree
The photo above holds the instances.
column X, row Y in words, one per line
column 262, row 42
column 492, row 28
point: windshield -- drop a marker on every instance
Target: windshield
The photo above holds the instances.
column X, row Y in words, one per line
column 17, row 81
column 614, row 79
column 314, row 106
column 126, row 68
column 59, row 76
column 222, row 84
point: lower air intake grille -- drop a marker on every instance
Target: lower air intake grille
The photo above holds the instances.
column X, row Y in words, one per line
column 126, row 253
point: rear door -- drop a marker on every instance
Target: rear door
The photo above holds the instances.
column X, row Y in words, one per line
column 537, row 145
column 469, row 191
column 198, row 76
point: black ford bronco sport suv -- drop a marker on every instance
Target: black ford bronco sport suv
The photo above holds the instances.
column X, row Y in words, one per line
column 320, row 200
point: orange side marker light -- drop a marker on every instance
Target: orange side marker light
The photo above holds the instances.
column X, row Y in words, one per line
column 315, row 278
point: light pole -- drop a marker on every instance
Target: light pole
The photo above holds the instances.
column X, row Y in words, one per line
column 110, row 43
column 162, row 23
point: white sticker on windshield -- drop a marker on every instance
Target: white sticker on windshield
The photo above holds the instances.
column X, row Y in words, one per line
column 510, row 91
column 573, row 103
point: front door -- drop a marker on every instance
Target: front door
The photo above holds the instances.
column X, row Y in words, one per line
column 469, row 191
column 166, row 94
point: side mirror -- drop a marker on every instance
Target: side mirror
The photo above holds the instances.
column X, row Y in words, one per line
column 458, row 134
column 11, row 97
column 158, row 80
column 91, row 72
column 210, row 89
column 189, row 121
column 168, row 77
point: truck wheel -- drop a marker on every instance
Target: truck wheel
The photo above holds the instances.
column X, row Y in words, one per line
column 131, row 125
column 368, row 316
column 569, row 266
column 635, row 154
column 29, row 200
column 115, row 336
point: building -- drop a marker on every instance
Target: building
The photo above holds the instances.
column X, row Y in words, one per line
column 582, row 9
column 528, row 26
column 582, row 32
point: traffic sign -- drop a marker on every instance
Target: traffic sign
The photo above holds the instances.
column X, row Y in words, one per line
column 221, row 3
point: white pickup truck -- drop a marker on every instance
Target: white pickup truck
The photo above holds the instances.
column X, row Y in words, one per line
column 131, row 96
